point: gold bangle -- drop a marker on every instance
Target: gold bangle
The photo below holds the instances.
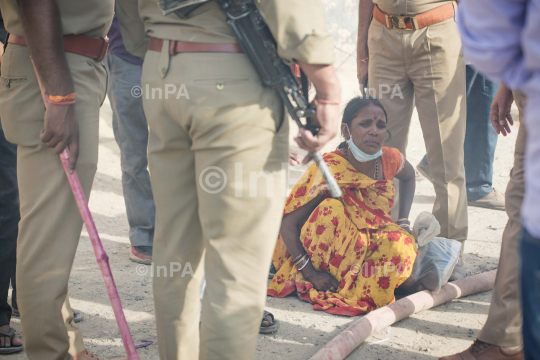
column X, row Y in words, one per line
column 404, row 219
column 363, row 60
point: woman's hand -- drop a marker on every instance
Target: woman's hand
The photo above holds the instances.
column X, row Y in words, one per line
column 322, row 281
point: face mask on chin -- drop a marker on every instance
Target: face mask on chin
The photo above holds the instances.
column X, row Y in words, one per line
column 358, row 154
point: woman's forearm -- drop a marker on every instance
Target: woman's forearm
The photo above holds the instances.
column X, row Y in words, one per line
column 406, row 197
column 290, row 231
column 291, row 237
column 407, row 187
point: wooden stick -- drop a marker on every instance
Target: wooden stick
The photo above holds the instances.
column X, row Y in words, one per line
column 348, row 340
column 101, row 255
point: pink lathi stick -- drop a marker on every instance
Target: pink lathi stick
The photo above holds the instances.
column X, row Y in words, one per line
column 101, row 255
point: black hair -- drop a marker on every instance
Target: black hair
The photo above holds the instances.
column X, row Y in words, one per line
column 353, row 108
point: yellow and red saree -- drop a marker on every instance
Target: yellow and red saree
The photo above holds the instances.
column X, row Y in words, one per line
column 352, row 238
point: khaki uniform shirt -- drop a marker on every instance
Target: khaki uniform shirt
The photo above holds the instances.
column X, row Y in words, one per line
column 299, row 27
column 89, row 17
column 408, row 7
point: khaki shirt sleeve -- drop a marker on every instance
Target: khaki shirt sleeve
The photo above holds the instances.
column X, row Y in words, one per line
column 132, row 28
column 299, row 27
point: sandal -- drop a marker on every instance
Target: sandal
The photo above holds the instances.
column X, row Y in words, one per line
column 269, row 329
column 12, row 349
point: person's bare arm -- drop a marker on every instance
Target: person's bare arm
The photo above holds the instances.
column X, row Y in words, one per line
column 43, row 33
column 326, row 84
column 407, row 187
column 291, row 237
column 365, row 10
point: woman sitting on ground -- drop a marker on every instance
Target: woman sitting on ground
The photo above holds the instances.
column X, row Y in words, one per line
column 346, row 256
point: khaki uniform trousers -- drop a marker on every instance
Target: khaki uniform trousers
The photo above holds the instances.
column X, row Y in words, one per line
column 217, row 165
column 50, row 224
column 426, row 67
column 503, row 326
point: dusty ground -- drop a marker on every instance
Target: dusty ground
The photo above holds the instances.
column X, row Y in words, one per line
column 440, row 331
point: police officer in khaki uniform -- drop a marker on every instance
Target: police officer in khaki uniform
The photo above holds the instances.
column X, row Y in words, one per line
column 217, row 163
column 65, row 39
column 410, row 53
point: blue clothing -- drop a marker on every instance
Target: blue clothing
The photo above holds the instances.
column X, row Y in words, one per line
column 530, row 298
column 9, row 222
column 481, row 137
column 9, row 217
column 501, row 38
column 131, row 134
column 116, row 44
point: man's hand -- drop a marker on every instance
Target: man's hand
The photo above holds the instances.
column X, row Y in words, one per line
column 362, row 74
column 61, row 130
column 326, row 119
column 326, row 83
column 500, row 110
column 322, row 281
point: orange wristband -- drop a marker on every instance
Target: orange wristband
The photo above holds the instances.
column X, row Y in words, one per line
column 62, row 100
column 324, row 102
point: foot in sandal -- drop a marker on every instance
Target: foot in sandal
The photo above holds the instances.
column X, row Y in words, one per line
column 268, row 323
column 9, row 342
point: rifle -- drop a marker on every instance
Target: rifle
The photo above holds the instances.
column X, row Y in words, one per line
column 258, row 43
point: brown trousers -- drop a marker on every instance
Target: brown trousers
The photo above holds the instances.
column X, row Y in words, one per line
column 217, row 156
column 50, row 224
column 426, row 67
column 503, row 326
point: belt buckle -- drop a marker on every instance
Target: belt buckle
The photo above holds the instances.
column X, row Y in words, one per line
column 104, row 48
column 399, row 22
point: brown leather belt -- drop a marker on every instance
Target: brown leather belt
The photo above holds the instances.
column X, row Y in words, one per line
column 419, row 21
column 77, row 44
column 176, row 46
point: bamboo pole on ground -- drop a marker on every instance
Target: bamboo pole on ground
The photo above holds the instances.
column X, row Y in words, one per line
column 349, row 339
